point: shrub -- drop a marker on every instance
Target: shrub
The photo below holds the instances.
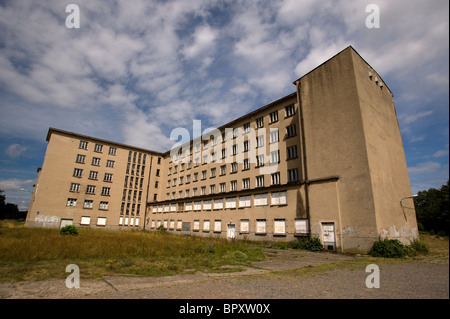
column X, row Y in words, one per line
column 312, row 244
column 417, row 247
column 388, row 248
column 68, row 230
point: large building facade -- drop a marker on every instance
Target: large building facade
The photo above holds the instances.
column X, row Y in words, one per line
column 326, row 161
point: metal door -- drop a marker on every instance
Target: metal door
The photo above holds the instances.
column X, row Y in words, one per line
column 328, row 236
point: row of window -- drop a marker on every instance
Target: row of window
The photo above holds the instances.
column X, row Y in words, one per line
column 136, row 157
column 86, row 221
column 88, row 204
column 98, row 148
column 81, row 159
column 90, row 189
column 78, row 172
column 132, row 208
column 211, row 157
column 276, row 198
column 260, row 181
column 300, row 226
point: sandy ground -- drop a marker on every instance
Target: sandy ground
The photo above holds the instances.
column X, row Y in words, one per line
column 424, row 278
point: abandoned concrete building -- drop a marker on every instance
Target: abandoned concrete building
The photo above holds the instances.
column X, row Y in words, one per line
column 326, row 160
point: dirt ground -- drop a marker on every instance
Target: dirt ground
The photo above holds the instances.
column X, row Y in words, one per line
column 286, row 274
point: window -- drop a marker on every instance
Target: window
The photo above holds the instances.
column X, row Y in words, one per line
column 246, row 146
column 235, row 132
column 206, row 225
column 188, row 178
column 195, row 177
column 168, row 183
column 224, row 153
column 196, row 225
column 301, row 227
column 260, row 160
column 245, row 226
column 194, row 191
column 293, row 175
column 170, row 171
column 223, row 170
column 110, row 163
column 234, row 167
column 81, row 158
column 77, row 172
column 213, row 172
column 260, row 122
column 98, row 148
column 90, row 189
column 106, row 191
column 246, row 183
column 260, row 226
column 83, row 145
column 245, row 201
column 217, row 226
column 207, row 204
column 85, row 220
column 218, row 203
column 233, row 185
column 260, row 181
column 246, row 128
column 112, row 150
column 260, row 141
column 274, row 117
column 103, row 206
column 291, row 130
column 198, row 205
column 93, row 175
column 188, row 206
column 96, row 161
column 246, row 164
column 187, row 192
column 74, row 187
column 230, row 202
column 72, row 202
column 235, row 149
column 159, row 160
column 279, row 198
column 212, row 189
column 88, row 203
column 279, row 227
column 108, row 177
column 274, row 136
column 203, row 175
column 275, row 157
column 290, row 110
column 173, row 207
column 261, row 199
column 181, row 180
column 203, row 190
column 205, row 159
column 275, row 178
column 222, row 187
column 292, row 152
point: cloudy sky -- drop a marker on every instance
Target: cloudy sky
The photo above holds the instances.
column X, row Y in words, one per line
column 135, row 70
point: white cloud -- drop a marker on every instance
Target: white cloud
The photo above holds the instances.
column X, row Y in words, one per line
column 440, row 153
column 14, row 184
column 429, row 167
column 15, row 150
column 414, row 117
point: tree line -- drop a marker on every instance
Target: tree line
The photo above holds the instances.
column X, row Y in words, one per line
column 9, row 210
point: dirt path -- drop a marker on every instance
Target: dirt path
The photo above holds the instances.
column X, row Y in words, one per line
column 284, row 275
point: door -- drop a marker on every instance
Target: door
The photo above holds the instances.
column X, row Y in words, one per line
column 231, row 233
column 328, row 236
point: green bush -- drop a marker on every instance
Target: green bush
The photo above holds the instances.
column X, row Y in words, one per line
column 417, row 247
column 311, row 244
column 68, row 230
column 388, row 248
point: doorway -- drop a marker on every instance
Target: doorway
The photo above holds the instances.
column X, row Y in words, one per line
column 328, row 236
column 231, row 231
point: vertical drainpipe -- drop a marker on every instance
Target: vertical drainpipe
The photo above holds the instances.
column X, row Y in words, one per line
column 303, row 150
column 148, row 189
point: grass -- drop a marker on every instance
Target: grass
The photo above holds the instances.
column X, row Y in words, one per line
column 37, row 253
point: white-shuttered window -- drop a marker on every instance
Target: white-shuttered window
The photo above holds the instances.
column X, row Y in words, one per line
column 172, row 224
column 166, row 208
column 153, row 224
column 173, row 207
column 217, row 226
column 154, row 209
column 245, row 201
column 179, row 224
column 188, row 206
column 279, row 198
column 261, row 199
column 160, row 208
column 279, row 227
column 206, row 225
column 198, row 205
column 218, row 203
column 231, row 202
column 120, row 221
column 196, row 225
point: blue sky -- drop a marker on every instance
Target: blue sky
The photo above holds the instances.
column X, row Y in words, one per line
column 135, row 70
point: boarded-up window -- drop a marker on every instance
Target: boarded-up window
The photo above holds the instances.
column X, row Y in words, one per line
column 160, row 208
column 196, row 225
column 188, row 206
column 206, row 225
column 153, row 224
column 301, row 226
column 279, row 198
column 85, row 220
column 260, row 199
column 207, row 204
column 260, row 226
column 245, row 201
column 179, row 224
column 101, row 221
column 198, row 205
column 154, row 209
column 166, row 208
column 279, row 227
column 217, row 226
column 231, row 202
column 172, row 224
column 218, row 203
column 245, row 226
column 137, row 222
column 165, row 224
column 173, row 207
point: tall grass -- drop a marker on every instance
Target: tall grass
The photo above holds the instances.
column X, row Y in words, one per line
column 36, row 253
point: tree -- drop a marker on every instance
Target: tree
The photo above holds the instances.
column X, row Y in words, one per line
column 432, row 209
column 8, row 210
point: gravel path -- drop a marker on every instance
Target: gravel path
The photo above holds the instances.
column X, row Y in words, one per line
column 284, row 275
